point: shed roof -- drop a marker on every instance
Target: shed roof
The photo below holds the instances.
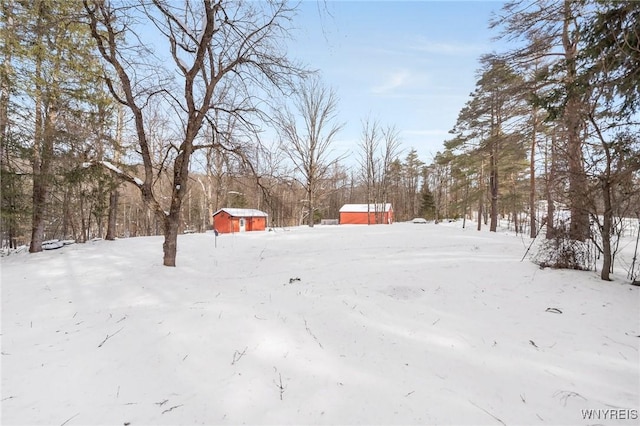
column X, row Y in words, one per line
column 242, row 212
column 362, row 208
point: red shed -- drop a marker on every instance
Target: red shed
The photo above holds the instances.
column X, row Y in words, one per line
column 357, row 214
column 229, row 220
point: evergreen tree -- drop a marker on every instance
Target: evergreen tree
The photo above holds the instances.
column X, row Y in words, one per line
column 427, row 205
column 51, row 70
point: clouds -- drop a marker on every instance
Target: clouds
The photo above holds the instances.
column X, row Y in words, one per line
column 395, row 80
column 447, row 48
column 431, row 132
column 409, row 82
column 411, row 64
column 421, row 62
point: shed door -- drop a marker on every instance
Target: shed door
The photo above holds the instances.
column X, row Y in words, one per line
column 242, row 224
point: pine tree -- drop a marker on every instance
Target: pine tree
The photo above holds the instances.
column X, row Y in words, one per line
column 53, row 67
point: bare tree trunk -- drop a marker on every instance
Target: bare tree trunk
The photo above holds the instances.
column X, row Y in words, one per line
column 5, row 83
column 481, row 196
column 465, row 201
column 493, row 186
column 43, row 155
column 170, row 245
column 533, row 232
column 83, row 222
column 66, row 212
column 112, row 224
column 172, row 220
column 516, row 222
column 309, row 197
column 37, row 217
column 113, row 215
column 579, row 228
column 606, row 183
column 550, row 172
column 607, row 262
column 39, row 158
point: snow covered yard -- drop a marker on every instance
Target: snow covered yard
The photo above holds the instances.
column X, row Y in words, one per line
column 401, row 324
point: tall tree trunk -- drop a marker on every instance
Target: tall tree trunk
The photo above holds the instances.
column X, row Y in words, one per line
column 606, row 228
column 550, row 173
column 44, row 135
column 113, row 215
column 6, row 71
column 481, row 196
column 496, row 131
column 516, row 221
column 606, row 184
column 493, row 186
column 369, row 199
column 43, row 155
column 579, row 228
column 465, row 201
column 310, row 214
column 66, row 212
column 5, row 74
column 83, row 222
column 180, row 179
column 533, row 231
column 39, row 195
column 170, row 245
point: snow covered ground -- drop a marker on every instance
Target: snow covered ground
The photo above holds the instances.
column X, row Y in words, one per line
column 400, row 324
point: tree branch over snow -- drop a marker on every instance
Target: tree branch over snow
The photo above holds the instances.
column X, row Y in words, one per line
column 109, row 336
column 312, row 335
column 172, row 408
column 477, row 406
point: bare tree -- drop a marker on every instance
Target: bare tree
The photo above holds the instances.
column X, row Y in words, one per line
column 369, row 162
column 390, row 151
column 375, row 162
column 210, row 43
column 308, row 144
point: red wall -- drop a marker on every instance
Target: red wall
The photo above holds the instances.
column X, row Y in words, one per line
column 225, row 223
column 360, row 218
column 255, row 223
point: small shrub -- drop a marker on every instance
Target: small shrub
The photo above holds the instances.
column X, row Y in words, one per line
column 561, row 252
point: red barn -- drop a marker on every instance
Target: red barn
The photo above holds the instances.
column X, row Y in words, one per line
column 366, row 214
column 239, row 220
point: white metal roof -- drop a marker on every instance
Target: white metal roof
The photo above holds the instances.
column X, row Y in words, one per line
column 242, row 212
column 362, row 208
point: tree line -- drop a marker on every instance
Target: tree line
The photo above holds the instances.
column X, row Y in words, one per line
column 549, row 138
column 126, row 118
column 123, row 118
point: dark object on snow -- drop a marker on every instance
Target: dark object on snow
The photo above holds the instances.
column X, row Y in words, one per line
column 292, row 280
column 553, row 310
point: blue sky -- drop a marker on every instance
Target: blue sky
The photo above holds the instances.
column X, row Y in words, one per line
column 411, row 64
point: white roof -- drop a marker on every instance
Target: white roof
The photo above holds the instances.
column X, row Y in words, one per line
column 243, row 212
column 362, row 208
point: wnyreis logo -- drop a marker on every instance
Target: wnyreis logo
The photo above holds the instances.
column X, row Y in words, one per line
column 610, row 414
